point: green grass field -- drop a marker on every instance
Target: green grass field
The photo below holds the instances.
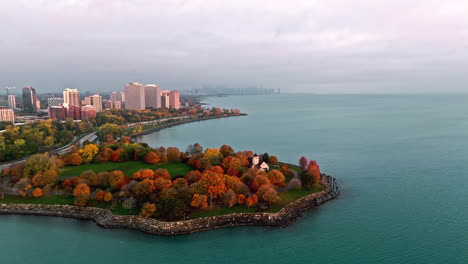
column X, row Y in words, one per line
column 128, row 168
column 48, row 199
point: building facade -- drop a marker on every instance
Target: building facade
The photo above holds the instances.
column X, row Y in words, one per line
column 134, row 96
column 88, row 112
column 152, row 96
column 12, row 101
column 54, row 101
column 74, row 112
column 6, row 114
column 174, row 100
column 29, row 99
column 57, row 112
column 96, row 101
column 71, row 97
column 117, row 97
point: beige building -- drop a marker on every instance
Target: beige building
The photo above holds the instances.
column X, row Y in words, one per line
column 117, row 97
column 6, row 114
column 135, row 96
column 174, row 100
column 96, row 101
column 12, row 101
column 152, row 96
column 71, row 97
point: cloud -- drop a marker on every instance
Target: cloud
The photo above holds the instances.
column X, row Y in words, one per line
column 299, row 46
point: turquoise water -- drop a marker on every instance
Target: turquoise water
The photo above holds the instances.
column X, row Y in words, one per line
column 401, row 161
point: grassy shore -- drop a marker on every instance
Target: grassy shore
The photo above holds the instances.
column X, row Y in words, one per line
column 128, row 168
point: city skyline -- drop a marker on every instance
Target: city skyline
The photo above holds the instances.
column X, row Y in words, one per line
column 301, row 46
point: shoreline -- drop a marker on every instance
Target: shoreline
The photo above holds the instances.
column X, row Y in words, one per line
column 104, row 218
column 163, row 126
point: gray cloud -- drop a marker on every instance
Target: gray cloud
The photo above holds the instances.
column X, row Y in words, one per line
column 299, row 46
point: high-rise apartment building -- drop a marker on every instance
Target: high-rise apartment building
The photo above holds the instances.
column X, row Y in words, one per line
column 6, row 114
column 174, row 100
column 96, row 101
column 71, row 97
column 29, row 99
column 134, row 96
column 152, row 96
column 12, row 101
column 117, row 97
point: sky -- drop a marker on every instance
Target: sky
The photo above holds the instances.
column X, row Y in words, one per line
column 311, row 46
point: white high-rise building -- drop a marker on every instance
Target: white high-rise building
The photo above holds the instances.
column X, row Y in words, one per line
column 71, row 97
column 6, row 114
column 135, row 96
column 152, row 96
column 117, row 97
column 94, row 100
column 12, row 101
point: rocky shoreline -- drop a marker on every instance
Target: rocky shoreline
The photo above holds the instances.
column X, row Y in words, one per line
column 106, row 219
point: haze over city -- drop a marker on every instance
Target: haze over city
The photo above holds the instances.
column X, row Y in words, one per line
column 357, row 46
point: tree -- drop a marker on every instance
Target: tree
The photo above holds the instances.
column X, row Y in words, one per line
column 274, row 160
column 109, row 129
column 266, row 157
column 171, row 208
column 48, row 177
column 106, row 154
column 213, row 155
column 143, row 174
column 193, row 176
column 271, row 196
column 314, row 170
column 74, row 159
column 116, row 178
column 303, row 163
column 147, row 210
column 199, row 201
column 129, row 203
column 100, row 195
column 173, row 154
column 152, row 158
column 241, row 199
column 36, row 163
column 194, row 149
column 230, row 198
column 82, row 192
column 88, row 152
column 258, row 181
column 37, row 192
column 108, row 197
column 276, row 178
column 162, row 173
column 252, row 200
column 226, row 150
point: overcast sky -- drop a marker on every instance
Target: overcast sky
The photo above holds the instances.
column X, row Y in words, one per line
column 326, row 46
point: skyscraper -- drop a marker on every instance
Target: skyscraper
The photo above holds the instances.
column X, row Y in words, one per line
column 12, row 101
column 54, row 101
column 134, row 96
column 29, row 99
column 174, row 100
column 71, row 97
column 152, row 96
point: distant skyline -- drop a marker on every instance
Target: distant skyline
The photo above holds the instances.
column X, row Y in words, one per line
column 334, row 46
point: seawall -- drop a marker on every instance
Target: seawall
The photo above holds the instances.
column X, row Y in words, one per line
column 106, row 219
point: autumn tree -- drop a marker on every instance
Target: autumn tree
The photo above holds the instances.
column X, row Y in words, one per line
column 314, row 170
column 252, row 200
column 213, row 155
column 106, row 154
column 152, row 158
column 82, row 193
column 274, row 160
column 162, row 173
column 271, row 196
column 259, row 180
column 226, row 150
column 143, row 174
column 100, row 195
column 74, row 159
column 88, row 152
column 199, row 201
column 116, row 178
column 147, row 210
column 173, row 154
column 48, row 177
column 194, row 149
column 241, row 199
column 37, row 192
column 107, row 197
column 303, row 162
column 193, row 176
column 276, row 178
column 230, row 198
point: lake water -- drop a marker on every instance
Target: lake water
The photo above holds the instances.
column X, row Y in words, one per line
column 402, row 165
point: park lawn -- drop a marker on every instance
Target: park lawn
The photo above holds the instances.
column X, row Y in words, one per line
column 48, row 199
column 128, row 167
column 292, row 195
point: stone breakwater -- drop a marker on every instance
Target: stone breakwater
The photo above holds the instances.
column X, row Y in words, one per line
column 106, row 219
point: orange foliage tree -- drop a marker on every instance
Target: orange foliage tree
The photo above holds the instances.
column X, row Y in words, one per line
column 152, row 158
column 162, row 173
column 82, row 193
column 75, row 159
column 273, row 160
column 276, row 177
column 37, row 192
column 199, row 201
column 173, row 154
column 147, row 210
